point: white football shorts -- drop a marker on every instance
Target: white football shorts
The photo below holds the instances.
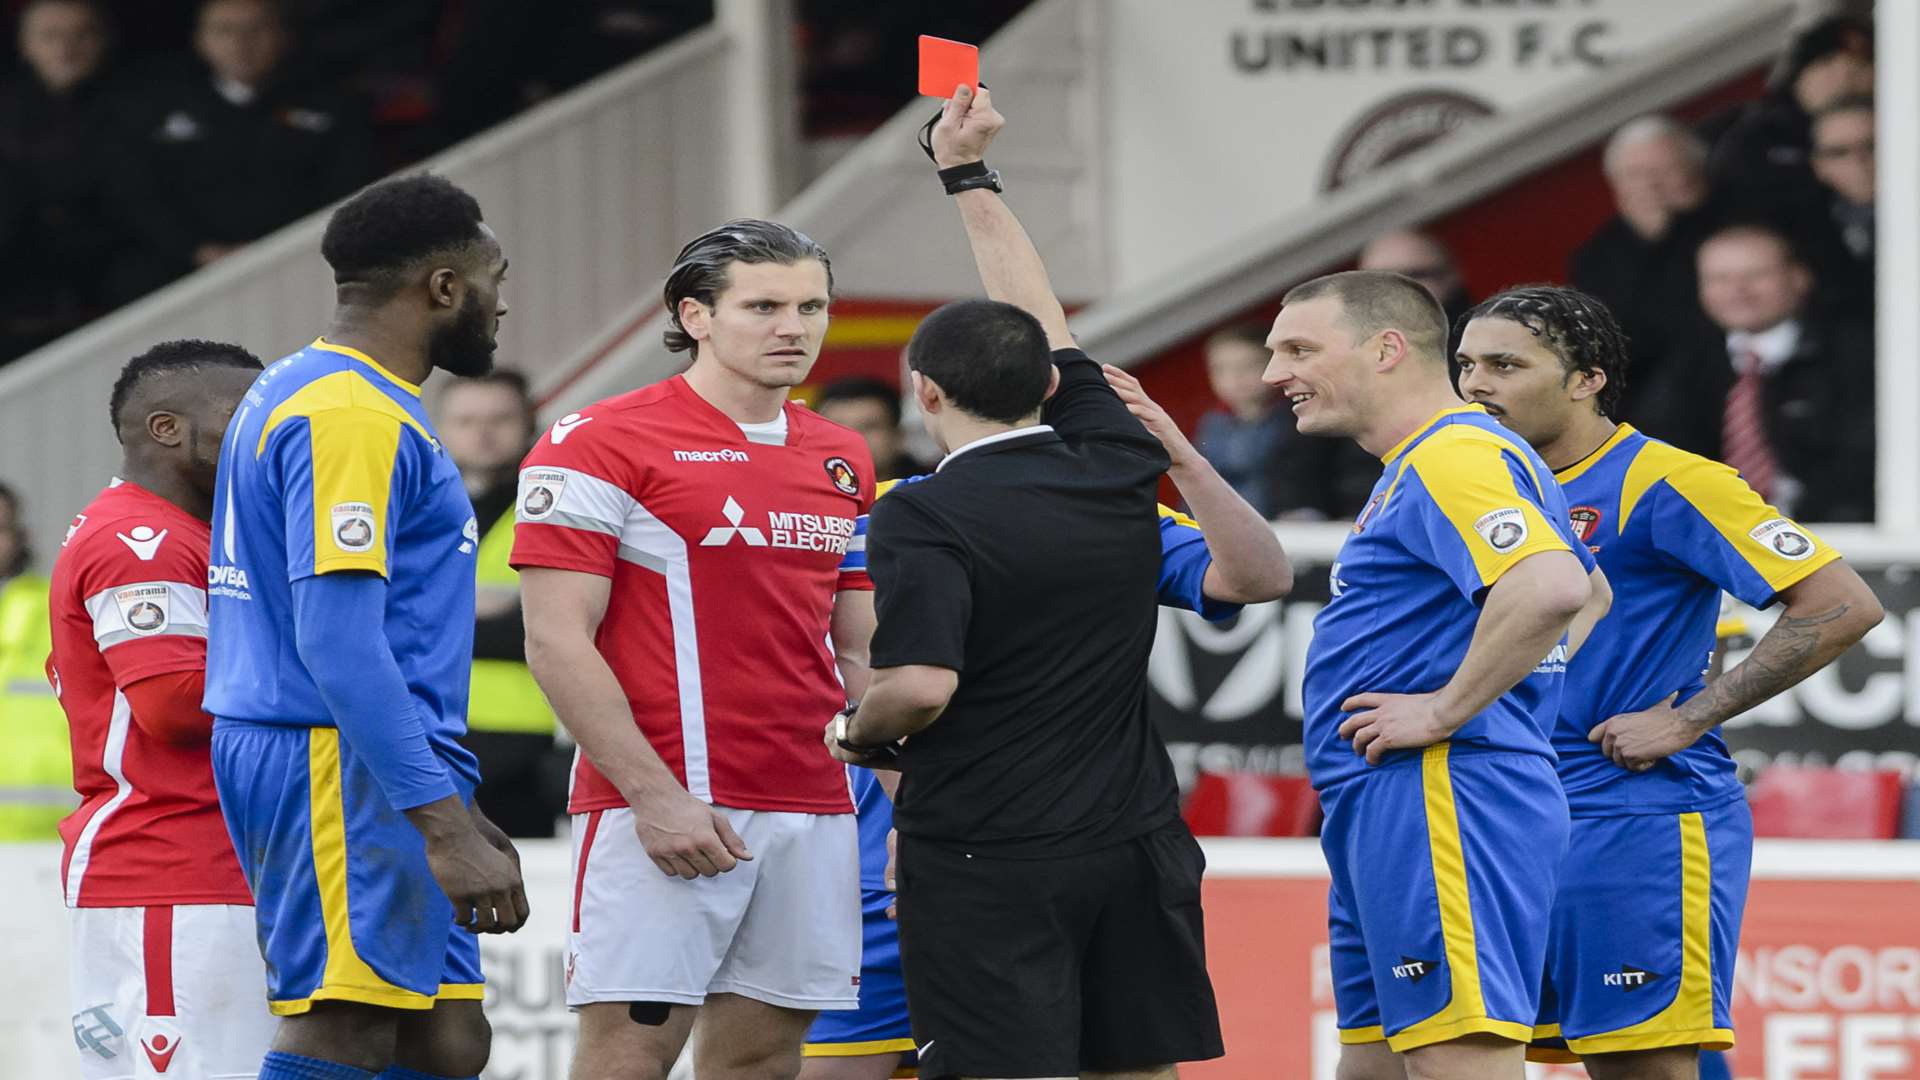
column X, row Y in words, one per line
column 783, row 928
column 174, row 993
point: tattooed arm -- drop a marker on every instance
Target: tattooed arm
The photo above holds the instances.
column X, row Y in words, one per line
column 1826, row 613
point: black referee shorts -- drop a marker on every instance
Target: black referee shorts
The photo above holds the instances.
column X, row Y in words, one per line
column 1049, row 967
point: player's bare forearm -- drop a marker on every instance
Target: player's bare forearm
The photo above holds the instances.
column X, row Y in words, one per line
column 852, row 630
column 1524, row 616
column 1010, row 266
column 1249, row 565
column 901, row 701
column 563, row 610
column 1599, row 602
column 1826, row 613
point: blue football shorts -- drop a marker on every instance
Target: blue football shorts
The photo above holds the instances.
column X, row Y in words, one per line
column 345, row 905
column 1443, row 869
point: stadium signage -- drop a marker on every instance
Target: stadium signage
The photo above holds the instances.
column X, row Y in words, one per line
column 1227, row 696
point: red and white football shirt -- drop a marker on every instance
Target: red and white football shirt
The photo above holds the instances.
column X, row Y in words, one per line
column 130, row 602
column 724, row 555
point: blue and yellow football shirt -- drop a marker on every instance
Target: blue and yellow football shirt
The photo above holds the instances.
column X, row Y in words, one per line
column 331, row 465
column 1671, row 530
column 1460, row 502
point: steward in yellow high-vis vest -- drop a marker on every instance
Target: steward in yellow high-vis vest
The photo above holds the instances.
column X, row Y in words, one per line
column 504, row 696
column 36, row 758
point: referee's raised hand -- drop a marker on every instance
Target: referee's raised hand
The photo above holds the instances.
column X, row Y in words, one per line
column 686, row 838
column 968, row 122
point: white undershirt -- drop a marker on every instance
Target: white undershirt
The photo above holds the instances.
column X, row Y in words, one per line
column 771, row 433
column 1773, row 346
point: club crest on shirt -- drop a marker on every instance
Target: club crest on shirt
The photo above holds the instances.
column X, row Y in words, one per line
column 1783, row 538
column 143, row 608
column 845, row 480
column 1366, row 514
column 540, row 492
column 353, row 526
column 1503, row 530
column 1585, row 521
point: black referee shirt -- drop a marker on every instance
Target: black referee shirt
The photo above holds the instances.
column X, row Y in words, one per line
column 1029, row 564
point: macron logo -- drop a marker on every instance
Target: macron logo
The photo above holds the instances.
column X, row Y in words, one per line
column 721, row 535
column 143, row 542
column 710, row 455
column 564, row 426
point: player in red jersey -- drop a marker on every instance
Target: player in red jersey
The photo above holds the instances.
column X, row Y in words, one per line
column 166, row 977
column 679, row 550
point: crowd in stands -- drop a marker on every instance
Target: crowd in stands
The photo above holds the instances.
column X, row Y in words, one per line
column 1740, row 263
column 144, row 138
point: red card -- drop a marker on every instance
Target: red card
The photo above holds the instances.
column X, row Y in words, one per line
column 946, row 64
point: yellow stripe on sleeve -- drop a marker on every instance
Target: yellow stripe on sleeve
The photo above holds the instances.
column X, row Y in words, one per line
column 354, row 433
column 1178, row 517
column 883, row 487
column 1782, row 552
column 1464, row 470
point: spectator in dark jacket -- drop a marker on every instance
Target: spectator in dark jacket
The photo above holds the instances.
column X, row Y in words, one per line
column 1787, row 396
column 1838, row 231
column 232, row 152
column 1641, row 262
column 1760, row 154
column 53, row 119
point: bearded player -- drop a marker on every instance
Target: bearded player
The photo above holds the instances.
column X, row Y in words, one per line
column 1644, row 931
column 340, row 653
column 687, row 615
column 162, row 922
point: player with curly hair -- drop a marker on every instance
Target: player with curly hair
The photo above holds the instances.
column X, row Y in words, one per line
column 1643, row 933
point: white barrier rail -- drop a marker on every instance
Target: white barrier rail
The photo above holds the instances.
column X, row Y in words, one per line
column 526, row 999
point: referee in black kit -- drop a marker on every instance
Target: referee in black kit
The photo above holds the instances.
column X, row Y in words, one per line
column 1049, row 893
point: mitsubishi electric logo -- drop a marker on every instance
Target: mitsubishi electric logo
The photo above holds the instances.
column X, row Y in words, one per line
column 722, row 535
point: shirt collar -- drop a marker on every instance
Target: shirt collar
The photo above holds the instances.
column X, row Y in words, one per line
column 1774, row 346
column 988, row 440
column 347, row 350
column 1431, row 423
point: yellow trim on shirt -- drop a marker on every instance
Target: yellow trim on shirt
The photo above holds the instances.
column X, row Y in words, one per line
column 1688, row 1019
column 1178, row 517
column 347, row 350
column 346, row 977
column 1464, row 470
column 354, row 429
column 1466, row 1013
column 1578, row 469
column 1401, row 446
column 856, row 1049
column 883, row 487
column 1734, row 510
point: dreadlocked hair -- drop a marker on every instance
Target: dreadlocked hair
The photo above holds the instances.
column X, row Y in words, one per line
column 1579, row 329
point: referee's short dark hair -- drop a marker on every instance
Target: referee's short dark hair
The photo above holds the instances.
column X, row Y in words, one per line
column 990, row 358
column 375, row 238
column 702, row 269
column 1376, row 300
column 186, row 356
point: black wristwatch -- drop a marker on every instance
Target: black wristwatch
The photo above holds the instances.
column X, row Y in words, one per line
column 840, row 721
column 973, row 174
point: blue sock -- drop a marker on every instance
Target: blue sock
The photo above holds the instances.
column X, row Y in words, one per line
column 395, row 1072
column 279, row 1066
